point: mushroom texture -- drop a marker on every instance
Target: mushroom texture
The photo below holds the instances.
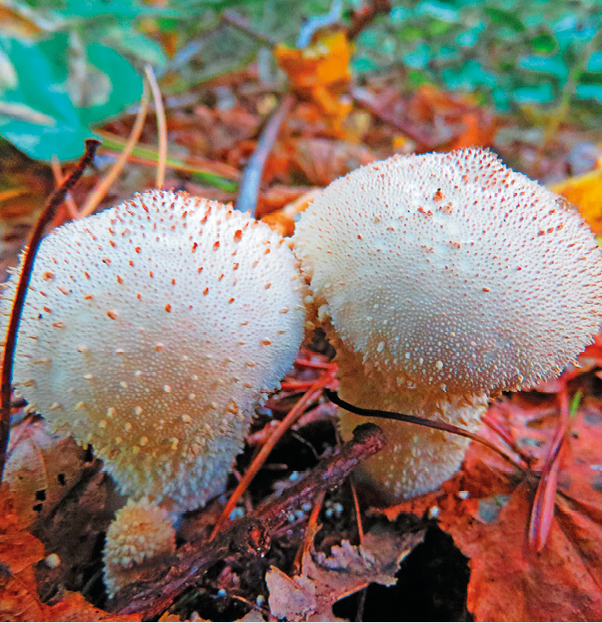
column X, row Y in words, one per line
column 443, row 279
column 151, row 330
column 140, row 532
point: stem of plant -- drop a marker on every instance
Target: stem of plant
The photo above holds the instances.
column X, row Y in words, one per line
column 414, row 419
column 52, row 205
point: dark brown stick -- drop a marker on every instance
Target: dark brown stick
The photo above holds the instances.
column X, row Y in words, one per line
column 52, row 205
column 246, row 538
column 365, row 15
column 420, row 421
column 251, row 178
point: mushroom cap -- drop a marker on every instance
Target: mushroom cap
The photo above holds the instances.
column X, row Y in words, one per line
column 150, row 330
column 140, row 532
column 451, row 273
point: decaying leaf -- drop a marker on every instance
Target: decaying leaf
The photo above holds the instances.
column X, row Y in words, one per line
column 490, row 516
column 19, row 600
column 585, row 191
column 324, row 580
column 41, row 468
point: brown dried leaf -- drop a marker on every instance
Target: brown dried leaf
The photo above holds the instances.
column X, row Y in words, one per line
column 41, row 469
column 324, row 580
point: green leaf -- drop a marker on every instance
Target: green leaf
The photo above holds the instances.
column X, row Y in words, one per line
column 506, row 18
column 544, row 43
column 39, row 116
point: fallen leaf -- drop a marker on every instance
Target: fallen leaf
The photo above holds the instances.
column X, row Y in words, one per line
column 19, row 600
column 324, row 580
column 585, row 191
column 487, row 506
column 319, row 72
column 41, row 469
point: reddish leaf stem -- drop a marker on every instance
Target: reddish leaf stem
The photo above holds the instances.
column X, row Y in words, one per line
column 52, row 205
column 542, row 513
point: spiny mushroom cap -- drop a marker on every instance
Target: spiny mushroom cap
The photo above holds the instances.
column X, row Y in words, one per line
column 452, row 273
column 151, row 329
column 140, row 532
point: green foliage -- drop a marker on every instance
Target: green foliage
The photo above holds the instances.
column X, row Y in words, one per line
column 53, row 87
column 545, row 52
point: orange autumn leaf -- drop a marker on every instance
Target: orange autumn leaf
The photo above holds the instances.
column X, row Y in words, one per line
column 19, row 600
column 323, row 63
column 489, row 518
column 585, row 191
column 318, row 72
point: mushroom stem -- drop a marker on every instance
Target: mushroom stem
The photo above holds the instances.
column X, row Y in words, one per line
column 416, row 459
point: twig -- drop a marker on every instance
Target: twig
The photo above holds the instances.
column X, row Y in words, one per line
column 414, row 419
column 103, row 186
column 59, row 178
column 233, row 19
column 52, row 205
column 365, row 15
column 248, row 537
column 263, row 454
column 161, row 126
column 251, row 178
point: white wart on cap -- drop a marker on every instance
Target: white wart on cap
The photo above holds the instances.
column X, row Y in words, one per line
column 451, row 276
column 151, row 330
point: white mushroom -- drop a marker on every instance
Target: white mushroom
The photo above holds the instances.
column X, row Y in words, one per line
column 443, row 279
column 151, row 330
column 140, row 533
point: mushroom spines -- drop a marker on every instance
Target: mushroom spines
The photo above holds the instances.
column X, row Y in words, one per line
column 156, row 326
column 141, row 531
column 473, row 278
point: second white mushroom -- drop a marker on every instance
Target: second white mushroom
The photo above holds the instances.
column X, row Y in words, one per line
column 441, row 280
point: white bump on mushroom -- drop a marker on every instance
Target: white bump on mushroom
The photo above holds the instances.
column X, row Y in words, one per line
column 186, row 350
column 486, row 280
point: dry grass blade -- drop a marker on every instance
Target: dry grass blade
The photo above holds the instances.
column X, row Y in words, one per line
column 161, row 126
column 103, row 186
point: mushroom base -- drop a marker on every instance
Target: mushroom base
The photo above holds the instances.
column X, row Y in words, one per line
column 416, row 459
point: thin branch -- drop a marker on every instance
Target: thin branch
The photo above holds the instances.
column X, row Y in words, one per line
column 52, row 205
column 233, row 19
column 246, row 538
column 414, row 419
column 365, row 15
column 59, row 178
column 251, row 178
column 103, row 186
column 161, row 126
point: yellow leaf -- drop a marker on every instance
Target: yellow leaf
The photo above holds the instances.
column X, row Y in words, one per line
column 585, row 191
column 16, row 25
